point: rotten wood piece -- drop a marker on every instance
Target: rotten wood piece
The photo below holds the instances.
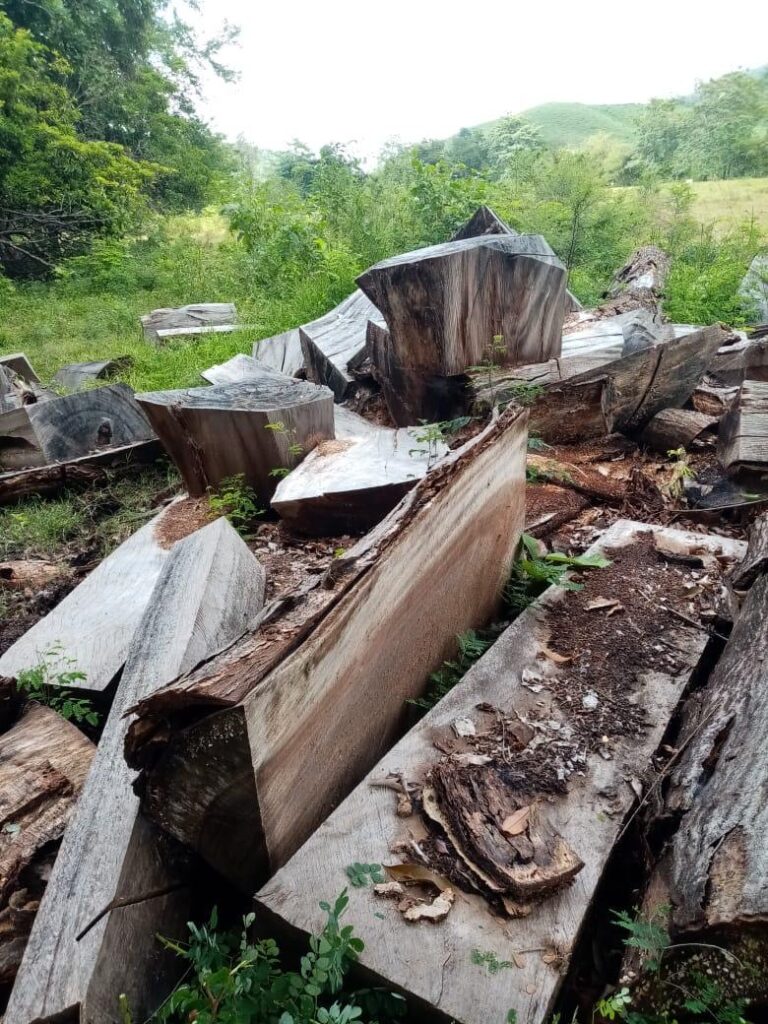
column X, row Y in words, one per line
column 349, row 484
column 76, row 376
column 201, row 315
column 87, row 471
column 20, row 365
column 208, row 593
column 644, row 274
column 755, row 562
column 713, row 400
column 712, row 879
column 67, row 428
column 676, row 428
column 288, row 740
column 252, row 428
column 335, row 344
column 519, row 783
column 445, row 305
column 743, row 437
column 743, row 359
column 91, row 629
column 44, row 761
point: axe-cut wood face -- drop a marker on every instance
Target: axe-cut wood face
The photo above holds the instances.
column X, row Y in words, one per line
column 518, row 783
column 307, row 722
column 334, row 344
column 265, row 423
column 495, row 298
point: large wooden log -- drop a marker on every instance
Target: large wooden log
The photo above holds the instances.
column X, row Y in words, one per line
column 251, row 428
column 349, row 484
column 334, row 345
column 199, row 315
column 743, row 436
column 233, row 371
column 746, row 359
column 445, row 305
column 755, row 561
column 711, row 883
column 518, row 781
column 282, row 353
column 291, row 737
column 86, row 471
column 91, row 630
column 20, row 365
column 644, row 273
column 44, row 762
column 676, row 428
column 208, row 593
column 66, row 428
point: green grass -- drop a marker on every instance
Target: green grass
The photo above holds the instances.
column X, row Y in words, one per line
column 569, row 125
column 729, row 203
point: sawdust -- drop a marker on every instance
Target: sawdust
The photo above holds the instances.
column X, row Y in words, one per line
column 180, row 519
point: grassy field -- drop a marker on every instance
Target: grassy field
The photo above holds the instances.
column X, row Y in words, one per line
column 727, row 203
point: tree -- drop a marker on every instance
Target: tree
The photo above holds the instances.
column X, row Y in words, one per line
column 661, row 129
column 57, row 191
column 728, row 128
column 514, row 142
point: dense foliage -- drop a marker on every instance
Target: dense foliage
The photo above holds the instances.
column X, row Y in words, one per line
column 96, row 122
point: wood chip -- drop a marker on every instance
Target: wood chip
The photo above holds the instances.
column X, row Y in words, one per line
column 437, row 910
column 516, row 823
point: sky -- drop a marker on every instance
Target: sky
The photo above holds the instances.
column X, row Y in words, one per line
column 404, row 70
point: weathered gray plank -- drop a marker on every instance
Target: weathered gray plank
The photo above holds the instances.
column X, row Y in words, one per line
column 282, row 352
column 77, row 375
column 743, row 437
column 433, row 962
column 208, row 593
column 207, row 314
column 233, row 371
column 334, row 344
column 19, row 363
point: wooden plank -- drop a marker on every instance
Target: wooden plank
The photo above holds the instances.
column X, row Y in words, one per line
column 743, row 437
column 187, row 332
column 250, row 428
column 233, row 371
column 292, row 740
column 86, row 471
column 209, row 592
column 444, row 305
column 282, row 353
column 572, row 771
column 91, row 630
column 79, row 375
column 205, row 314
column 334, row 344
column 348, row 485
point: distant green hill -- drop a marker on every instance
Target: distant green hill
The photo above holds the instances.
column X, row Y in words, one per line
column 571, row 124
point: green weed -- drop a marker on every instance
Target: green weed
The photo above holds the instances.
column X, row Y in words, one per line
column 234, row 499
column 47, row 684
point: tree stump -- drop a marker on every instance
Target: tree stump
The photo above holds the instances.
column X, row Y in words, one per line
column 262, row 424
column 334, row 344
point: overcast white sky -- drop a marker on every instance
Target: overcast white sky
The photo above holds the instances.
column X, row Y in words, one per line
column 343, row 71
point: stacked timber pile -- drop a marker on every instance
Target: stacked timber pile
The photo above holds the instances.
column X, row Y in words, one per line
column 456, row 447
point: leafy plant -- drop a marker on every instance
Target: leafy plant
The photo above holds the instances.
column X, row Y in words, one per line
column 237, row 501
column 531, row 574
column 47, row 684
column 681, row 471
column 360, row 875
column 472, row 646
column 615, row 1005
column 490, row 961
column 436, row 434
column 238, row 981
column 645, row 934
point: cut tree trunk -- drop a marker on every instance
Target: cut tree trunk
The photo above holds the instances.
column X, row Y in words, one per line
column 251, row 428
column 208, row 593
column 676, row 428
column 91, row 630
column 644, row 274
column 204, row 315
column 744, row 360
column 350, row 484
column 43, row 765
column 237, row 369
column 305, row 710
column 445, row 305
column 713, row 400
column 20, row 365
column 66, row 428
column 743, row 437
column 755, row 561
column 282, row 353
column 87, row 471
column 334, row 345
column 79, row 375
column 712, row 879
column 513, row 790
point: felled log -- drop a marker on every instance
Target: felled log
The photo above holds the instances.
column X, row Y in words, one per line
column 753, row 289
column 444, row 305
column 20, row 365
column 91, row 630
column 349, row 484
column 201, row 315
column 66, row 428
column 746, row 359
column 743, row 437
column 644, row 273
column 44, row 761
column 250, row 428
column 643, row 328
column 675, row 428
column 208, row 593
column 623, row 394
column 86, row 471
column 334, row 345
column 512, row 791
column 78, row 375
column 711, row 884
column 233, row 371
column 282, row 353
column 484, row 221
column 280, row 738
column 755, row 561
column 713, row 400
